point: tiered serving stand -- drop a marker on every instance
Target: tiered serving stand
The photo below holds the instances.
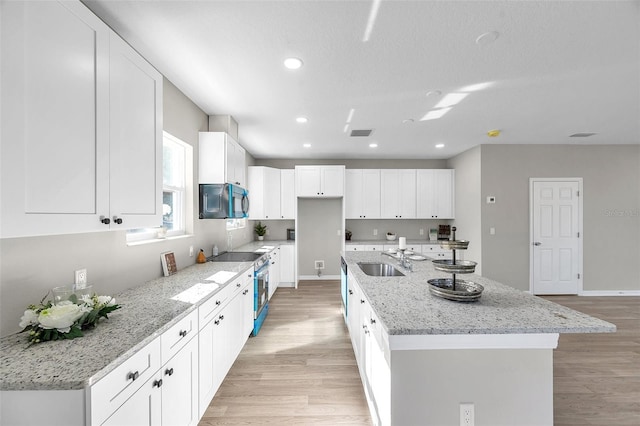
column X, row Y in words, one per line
column 453, row 288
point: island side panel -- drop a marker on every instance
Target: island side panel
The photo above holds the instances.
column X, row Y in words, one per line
column 510, row 387
column 50, row 407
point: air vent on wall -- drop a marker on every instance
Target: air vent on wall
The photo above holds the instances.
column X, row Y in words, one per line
column 364, row 132
column 581, row 135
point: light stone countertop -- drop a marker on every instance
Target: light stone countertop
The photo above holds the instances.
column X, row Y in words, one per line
column 392, row 242
column 405, row 305
column 147, row 311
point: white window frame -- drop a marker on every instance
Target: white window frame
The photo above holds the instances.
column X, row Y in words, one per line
column 185, row 195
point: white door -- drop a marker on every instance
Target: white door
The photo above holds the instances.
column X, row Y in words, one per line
column 556, row 244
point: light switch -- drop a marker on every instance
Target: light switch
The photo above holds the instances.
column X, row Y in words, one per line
column 492, row 231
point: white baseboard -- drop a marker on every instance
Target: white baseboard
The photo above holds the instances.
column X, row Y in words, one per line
column 318, row 278
column 610, row 293
column 289, row 285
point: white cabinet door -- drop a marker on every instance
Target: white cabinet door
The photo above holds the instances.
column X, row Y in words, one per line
column 271, row 193
column 274, row 271
column 398, row 193
column 212, row 357
column 235, row 165
column 353, row 196
column 247, row 310
column 307, row 181
column 287, row 194
column 362, row 194
column 180, row 387
column 220, row 159
column 55, row 86
column 135, row 130
column 144, row 408
column 435, row 196
column 332, row 181
column 287, row 263
column 264, row 192
column 319, row 181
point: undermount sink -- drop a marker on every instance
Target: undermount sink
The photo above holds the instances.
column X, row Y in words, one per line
column 378, row 269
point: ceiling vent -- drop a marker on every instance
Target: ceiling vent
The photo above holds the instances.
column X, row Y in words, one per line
column 360, row 133
column 581, row 135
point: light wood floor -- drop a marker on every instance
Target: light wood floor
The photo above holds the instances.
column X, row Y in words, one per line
column 597, row 376
column 300, row 370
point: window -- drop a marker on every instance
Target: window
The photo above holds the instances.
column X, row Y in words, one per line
column 177, row 192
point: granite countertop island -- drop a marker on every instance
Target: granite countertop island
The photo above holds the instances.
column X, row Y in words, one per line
column 406, row 306
column 421, row 357
column 147, row 311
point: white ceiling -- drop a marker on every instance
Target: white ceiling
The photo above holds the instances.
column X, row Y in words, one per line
column 557, row 68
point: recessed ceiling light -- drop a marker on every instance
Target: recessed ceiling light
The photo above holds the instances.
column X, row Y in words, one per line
column 350, row 116
column 293, row 63
column 307, row 145
column 487, row 38
column 373, row 145
column 476, row 87
column 407, row 120
column 302, row 119
column 434, row 93
column 440, row 145
column 582, row 135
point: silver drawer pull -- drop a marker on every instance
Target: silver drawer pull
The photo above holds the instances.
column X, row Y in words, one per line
column 183, row 333
column 133, row 376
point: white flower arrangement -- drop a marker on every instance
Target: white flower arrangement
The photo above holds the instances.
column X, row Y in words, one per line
column 67, row 319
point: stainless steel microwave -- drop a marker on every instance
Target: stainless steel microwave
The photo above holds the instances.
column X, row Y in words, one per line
column 223, row 201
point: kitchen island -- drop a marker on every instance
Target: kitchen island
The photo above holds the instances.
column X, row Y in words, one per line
column 421, row 356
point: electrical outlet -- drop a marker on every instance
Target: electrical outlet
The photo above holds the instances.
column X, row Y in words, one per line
column 421, row 231
column 319, row 264
column 466, row 414
column 375, row 232
column 190, row 251
column 81, row 276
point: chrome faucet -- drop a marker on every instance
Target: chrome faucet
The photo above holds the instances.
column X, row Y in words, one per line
column 403, row 261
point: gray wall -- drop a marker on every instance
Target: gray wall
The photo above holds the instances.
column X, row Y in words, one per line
column 30, row 267
column 468, row 202
column 317, row 237
column 611, row 198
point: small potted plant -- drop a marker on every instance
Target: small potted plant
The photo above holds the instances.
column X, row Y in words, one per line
column 261, row 230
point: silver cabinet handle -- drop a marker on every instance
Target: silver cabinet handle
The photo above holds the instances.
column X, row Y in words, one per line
column 537, row 243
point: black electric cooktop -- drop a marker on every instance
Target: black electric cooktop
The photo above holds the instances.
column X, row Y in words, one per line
column 235, row 256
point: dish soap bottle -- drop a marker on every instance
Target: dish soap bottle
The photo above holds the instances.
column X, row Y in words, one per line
column 201, row 257
column 215, row 250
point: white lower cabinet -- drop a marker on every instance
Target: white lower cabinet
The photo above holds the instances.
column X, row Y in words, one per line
column 169, row 398
column 371, row 352
column 274, row 271
column 221, row 339
column 167, row 368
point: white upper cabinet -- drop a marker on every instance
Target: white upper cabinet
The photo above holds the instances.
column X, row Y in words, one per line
column 398, row 193
column 287, row 194
column 135, row 129
column 435, row 197
column 69, row 106
column 319, row 181
column 264, row 192
column 362, row 194
column 221, row 159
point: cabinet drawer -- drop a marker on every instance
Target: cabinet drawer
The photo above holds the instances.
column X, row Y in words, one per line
column 113, row 390
column 208, row 310
column 177, row 336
